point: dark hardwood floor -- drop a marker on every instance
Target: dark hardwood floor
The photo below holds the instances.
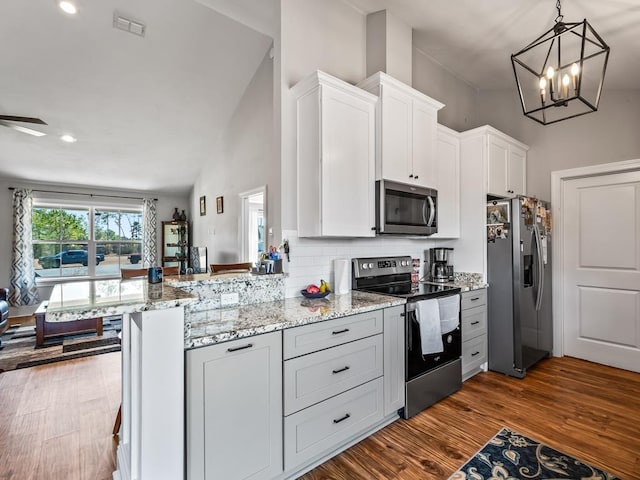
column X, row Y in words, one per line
column 583, row 409
column 56, row 421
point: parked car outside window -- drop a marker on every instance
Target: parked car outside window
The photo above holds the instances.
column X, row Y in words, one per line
column 68, row 257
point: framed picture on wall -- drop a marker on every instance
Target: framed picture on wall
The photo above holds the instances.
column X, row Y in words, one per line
column 203, row 205
column 219, row 205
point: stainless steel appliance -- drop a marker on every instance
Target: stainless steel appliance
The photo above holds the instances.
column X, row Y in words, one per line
column 520, row 323
column 405, row 209
column 441, row 264
column 431, row 377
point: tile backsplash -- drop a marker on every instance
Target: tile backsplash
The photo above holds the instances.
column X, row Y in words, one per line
column 312, row 258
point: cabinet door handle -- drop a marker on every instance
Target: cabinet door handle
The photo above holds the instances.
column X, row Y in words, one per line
column 343, row 369
column 342, row 419
column 476, row 322
column 411, row 176
column 235, row 349
column 416, row 177
column 338, row 332
column 475, row 353
column 474, row 299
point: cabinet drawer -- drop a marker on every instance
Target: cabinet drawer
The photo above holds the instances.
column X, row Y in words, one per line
column 474, row 298
column 474, row 322
column 321, row 428
column 316, row 377
column 318, row 336
column 474, row 353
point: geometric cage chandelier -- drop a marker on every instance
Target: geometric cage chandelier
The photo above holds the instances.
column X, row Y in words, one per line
column 560, row 74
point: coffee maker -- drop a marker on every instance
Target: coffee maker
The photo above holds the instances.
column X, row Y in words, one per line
column 441, row 264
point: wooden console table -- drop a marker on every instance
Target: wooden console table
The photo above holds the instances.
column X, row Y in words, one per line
column 46, row 329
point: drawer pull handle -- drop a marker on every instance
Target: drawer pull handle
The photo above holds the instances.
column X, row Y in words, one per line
column 342, row 419
column 476, row 322
column 343, row 369
column 475, row 353
column 338, row 332
column 235, row 349
column 475, row 298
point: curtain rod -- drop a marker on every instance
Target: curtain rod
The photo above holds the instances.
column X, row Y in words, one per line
column 85, row 194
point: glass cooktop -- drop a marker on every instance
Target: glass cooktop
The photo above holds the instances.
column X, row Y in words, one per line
column 413, row 291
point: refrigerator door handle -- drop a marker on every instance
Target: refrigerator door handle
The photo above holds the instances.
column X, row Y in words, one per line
column 540, row 272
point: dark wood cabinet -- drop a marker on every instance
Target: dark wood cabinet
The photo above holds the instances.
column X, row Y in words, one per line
column 175, row 244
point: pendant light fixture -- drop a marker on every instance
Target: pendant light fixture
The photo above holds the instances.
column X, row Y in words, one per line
column 560, row 74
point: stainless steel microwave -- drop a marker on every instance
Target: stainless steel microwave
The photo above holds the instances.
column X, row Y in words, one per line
column 403, row 209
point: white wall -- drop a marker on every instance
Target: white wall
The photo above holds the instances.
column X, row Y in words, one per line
column 246, row 161
column 608, row 135
column 460, row 98
column 165, row 207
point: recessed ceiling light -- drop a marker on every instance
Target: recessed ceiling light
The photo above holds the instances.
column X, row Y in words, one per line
column 68, row 139
column 68, row 7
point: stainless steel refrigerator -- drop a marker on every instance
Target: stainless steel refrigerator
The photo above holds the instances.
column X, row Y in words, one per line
column 520, row 323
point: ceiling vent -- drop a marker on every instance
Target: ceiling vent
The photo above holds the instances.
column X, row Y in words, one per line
column 128, row 25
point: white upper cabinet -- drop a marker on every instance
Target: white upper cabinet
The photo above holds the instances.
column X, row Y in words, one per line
column 507, row 159
column 447, row 181
column 406, row 122
column 336, row 158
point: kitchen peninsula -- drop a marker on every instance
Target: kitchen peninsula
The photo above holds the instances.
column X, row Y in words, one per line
column 151, row 435
column 183, row 353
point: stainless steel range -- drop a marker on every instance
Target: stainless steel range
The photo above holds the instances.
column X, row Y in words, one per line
column 433, row 368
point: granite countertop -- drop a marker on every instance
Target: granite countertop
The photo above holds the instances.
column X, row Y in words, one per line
column 99, row 298
column 217, row 278
column 220, row 325
column 463, row 285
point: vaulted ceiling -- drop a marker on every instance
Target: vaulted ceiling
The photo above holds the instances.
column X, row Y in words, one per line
column 147, row 112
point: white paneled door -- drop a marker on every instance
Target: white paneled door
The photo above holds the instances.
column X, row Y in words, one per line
column 601, row 269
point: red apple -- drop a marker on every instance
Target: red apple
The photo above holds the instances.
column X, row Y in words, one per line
column 313, row 289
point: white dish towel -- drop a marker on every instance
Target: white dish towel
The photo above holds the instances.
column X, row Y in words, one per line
column 449, row 313
column 428, row 316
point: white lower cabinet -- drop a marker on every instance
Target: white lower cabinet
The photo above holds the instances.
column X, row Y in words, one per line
column 474, row 331
column 256, row 410
column 312, row 378
column 394, row 381
column 234, row 409
column 322, row 427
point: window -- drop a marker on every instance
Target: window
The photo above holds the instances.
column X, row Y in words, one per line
column 85, row 241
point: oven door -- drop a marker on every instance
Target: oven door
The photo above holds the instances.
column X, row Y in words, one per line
column 405, row 209
column 416, row 363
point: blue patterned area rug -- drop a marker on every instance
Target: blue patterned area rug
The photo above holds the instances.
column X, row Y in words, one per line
column 511, row 456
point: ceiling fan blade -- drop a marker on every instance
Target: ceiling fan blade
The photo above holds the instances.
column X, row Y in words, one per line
column 13, row 118
column 19, row 128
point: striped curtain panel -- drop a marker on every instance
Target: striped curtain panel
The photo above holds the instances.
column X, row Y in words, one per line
column 23, row 276
column 149, row 229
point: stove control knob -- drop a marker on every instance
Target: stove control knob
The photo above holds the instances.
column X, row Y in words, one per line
column 365, row 266
column 405, row 263
column 371, row 265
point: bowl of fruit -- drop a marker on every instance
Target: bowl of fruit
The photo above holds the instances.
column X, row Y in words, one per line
column 314, row 291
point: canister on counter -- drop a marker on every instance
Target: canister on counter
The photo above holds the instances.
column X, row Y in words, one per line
column 155, row 275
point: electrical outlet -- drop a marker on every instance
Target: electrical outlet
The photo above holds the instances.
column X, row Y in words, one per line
column 229, row 299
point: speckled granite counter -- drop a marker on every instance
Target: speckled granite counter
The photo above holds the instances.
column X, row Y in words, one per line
column 250, row 288
column 464, row 281
column 214, row 326
column 99, row 298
